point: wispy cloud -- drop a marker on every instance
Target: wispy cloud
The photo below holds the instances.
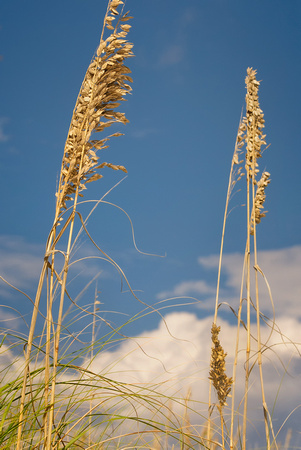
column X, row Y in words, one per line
column 171, row 55
column 143, row 132
column 189, row 16
column 188, row 288
column 3, row 136
column 20, row 262
column 174, row 53
column 9, row 318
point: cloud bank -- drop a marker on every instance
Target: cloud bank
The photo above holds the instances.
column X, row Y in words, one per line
column 281, row 269
column 172, row 360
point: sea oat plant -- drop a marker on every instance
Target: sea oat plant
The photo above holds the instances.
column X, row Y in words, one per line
column 252, row 126
column 250, row 140
column 63, row 404
column 236, row 173
column 221, row 382
column 105, row 84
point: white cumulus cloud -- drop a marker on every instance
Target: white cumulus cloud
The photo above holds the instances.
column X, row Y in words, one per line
column 278, row 274
column 281, row 268
column 172, row 360
column 175, row 358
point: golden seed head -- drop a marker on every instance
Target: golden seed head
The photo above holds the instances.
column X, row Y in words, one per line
column 259, row 200
column 217, row 374
column 250, row 131
column 105, row 84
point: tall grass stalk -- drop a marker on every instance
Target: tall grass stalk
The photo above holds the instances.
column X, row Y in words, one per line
column 234, row 177
column 250, row 134
column 254, row 140
column 104, row 86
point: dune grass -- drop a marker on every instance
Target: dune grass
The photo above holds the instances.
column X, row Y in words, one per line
column 51, row 396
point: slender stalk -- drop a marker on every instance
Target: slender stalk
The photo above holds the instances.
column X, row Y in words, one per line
column 236, row 355
column 231, row 184
column 105, row 84
column 49, row 323
column 59, row 321
column 28, row 353
column 254, row 139
column 259, row 347
column 95, row 308
column 248, row 348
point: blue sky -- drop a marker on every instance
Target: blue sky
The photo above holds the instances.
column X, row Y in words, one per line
column 188, row 92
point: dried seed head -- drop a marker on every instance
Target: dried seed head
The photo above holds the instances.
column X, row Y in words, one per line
column 254, row 123
column 217, row 374
column 236, row 169
column 105, row 85
column 259, row 200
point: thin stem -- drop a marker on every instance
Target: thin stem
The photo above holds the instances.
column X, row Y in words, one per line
column 259, row 347
column 49, row 323
column 229, row 190
column 248, row 348
column 28, row 352
column 236, row 356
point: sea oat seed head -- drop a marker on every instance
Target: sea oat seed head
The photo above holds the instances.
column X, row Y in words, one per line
column 259, row 200
column 254, row 122
column 104, row 87
column 217, row 374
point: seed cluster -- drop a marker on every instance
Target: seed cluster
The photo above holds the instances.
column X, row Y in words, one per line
column 104, row 86
column 217, row 374
column 259, row 200
column 252, row 125
column 250, row 134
